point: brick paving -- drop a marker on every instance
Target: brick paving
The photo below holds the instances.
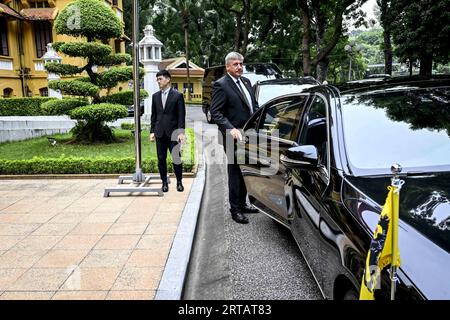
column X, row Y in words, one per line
column 61, row 239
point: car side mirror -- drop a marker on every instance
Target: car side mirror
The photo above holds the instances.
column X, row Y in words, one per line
column 305, row 157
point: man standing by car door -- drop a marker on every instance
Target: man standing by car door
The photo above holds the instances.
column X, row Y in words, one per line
column 233, row 102
column 167, row 126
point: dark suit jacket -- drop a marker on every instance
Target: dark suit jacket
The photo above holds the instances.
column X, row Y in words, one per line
column 172, row 117
column 229, row 107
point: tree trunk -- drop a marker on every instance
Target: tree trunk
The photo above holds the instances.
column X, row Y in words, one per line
column 386, row 24
column 247, row 25
column 387, row 52
column 237, row 33
column 426, row 64
column 305, row 40
column 322, row 70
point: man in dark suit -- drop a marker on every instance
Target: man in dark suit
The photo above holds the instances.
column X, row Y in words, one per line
column 233, row 102
column 167, row 126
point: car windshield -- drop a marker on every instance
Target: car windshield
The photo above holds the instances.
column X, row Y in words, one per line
column 410, row 127
column 269, row 91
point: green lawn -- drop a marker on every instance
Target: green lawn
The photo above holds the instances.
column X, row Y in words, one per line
column 41, row 147
column 38, row 156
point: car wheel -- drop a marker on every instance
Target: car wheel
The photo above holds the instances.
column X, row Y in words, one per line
column 351, row 294
column 209, row 116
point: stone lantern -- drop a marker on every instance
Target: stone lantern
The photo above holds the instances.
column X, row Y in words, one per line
column 52, row 56
column 150, row 56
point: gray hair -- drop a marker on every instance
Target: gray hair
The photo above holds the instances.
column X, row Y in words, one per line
column 233, row 56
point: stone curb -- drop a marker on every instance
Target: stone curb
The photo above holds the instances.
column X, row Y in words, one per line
column 172, row 281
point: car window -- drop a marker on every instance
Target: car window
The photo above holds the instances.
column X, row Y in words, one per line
column 267, row 92
column 315, row 128
column 283, row 116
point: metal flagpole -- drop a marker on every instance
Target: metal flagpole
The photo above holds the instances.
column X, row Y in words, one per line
column 138, row 175
column 396, row 183
column 138, row 178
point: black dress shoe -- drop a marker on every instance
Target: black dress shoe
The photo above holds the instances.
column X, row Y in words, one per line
column 239, row 217
column 180, row 187
column 165, row 187
column 249, row 209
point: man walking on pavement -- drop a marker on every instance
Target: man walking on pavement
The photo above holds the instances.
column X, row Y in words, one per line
column 233, row 102
column 167, row 126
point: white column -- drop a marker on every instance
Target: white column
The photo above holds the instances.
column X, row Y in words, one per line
column 151, row 86
column 53, row 93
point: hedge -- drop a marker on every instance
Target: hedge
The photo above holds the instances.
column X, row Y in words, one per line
column 88, row 18
column 100, row 165
column 124, row 97
column 74, row 165
column 22, row 106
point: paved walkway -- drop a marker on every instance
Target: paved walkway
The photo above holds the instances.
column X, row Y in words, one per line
column 61, row 239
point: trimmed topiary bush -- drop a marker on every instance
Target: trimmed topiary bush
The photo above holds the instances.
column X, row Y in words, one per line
column 124, row 97
column 60, row 107
column 91, row 126
column 64, row 69
column 94, row 21
column 99, row 112
column 86, row 18
column 75, row 87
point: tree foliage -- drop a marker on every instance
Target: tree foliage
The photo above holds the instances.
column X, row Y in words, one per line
column 421, row 30
column 94, row 21
column 86, row 18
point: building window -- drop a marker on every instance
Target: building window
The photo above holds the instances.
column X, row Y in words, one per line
column 43, row 92
column 43, row 36
column 157, row 54
column 191, row 87
column 115, row 2
column 39, row 4
column 3, row 38
column 117, row 46
column 7, row 93
column 175, row 85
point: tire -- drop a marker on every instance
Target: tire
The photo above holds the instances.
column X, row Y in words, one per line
column 350, row 294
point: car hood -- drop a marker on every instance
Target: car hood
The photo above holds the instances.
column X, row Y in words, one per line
column 424, row 229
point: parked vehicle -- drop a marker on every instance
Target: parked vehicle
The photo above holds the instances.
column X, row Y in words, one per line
column 253, row 71
column 334, row 154
column 131, row 109
column 266, row 90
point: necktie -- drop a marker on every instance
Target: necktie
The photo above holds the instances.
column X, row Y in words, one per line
column 164, row 98
column 245, row 96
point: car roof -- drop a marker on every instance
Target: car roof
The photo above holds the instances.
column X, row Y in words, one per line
column 396, row 83
column 298, row 80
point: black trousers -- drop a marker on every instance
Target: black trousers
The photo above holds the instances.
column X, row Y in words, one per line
column 162, row 145
column 237, row 191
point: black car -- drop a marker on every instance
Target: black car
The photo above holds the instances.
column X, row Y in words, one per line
column 253, row 71
column 325, row 176
column 131, row 109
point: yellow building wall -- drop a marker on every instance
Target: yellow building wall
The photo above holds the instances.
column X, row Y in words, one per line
column 37, row 79
column 196, row 81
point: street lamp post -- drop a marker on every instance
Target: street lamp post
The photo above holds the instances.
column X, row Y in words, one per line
column 352, row 49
